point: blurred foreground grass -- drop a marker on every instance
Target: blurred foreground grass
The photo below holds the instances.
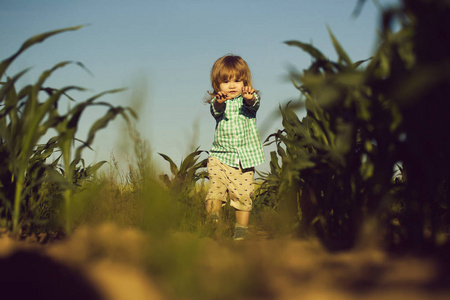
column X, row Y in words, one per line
column 127, row 263
column 131, row 228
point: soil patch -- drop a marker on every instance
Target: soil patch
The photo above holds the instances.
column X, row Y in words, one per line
column 108, row 262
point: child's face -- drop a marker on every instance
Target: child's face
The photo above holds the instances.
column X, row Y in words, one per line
column 232, row 88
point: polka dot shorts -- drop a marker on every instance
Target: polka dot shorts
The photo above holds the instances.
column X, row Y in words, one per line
column 226, row 181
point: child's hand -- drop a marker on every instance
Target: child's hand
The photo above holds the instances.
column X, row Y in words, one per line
column 247, row 94
column 219, row 102
column 221, row 97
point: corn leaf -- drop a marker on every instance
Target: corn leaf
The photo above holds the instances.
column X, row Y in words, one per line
column 308, row 48
column 30, row 42
column 339, row 50
column 173, row 166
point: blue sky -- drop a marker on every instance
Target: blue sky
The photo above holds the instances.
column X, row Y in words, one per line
column 163, row 50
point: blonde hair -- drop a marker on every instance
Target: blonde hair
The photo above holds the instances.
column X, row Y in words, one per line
column 228, row 67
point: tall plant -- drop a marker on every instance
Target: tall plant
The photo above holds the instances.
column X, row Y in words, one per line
column 24, row 121
column 337, row 162
column 418, row 82
column 187, row 196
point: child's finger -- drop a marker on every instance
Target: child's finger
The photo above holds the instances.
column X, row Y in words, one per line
column 222, row 97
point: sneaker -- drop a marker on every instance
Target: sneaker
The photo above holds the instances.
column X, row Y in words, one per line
column 240, row 233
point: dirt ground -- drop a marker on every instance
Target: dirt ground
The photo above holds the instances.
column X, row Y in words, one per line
column 107, row 262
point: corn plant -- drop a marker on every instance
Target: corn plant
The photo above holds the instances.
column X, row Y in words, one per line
column 337, row 161
column 184, row 177
column 269, row 182
column 417, row 81
column 25, row 120
column 182, row 183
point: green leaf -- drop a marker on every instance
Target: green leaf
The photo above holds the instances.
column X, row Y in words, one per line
column 30, row 42
column 339, row 50
column 173, row 166
column 90, row 170
column 308, row 48
column 103, row 122
column 8, row 91
column 47, row 73
column 274, row 166
column 360, row 62
column 350, row 79
column 189, row 161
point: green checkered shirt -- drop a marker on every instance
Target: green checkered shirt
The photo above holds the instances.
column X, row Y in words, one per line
column 236, row 138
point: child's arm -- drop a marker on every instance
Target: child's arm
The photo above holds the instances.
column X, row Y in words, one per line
column 218, row 105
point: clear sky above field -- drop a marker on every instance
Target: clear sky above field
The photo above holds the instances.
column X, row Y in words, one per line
column 163, row 50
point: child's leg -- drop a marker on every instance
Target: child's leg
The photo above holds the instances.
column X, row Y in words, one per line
column 241, row 226
column 213, row 206
column 242, row 217
column 241, row 189
column 217, row 188
column 241, row 192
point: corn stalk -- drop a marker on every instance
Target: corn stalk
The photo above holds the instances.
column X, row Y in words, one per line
column 337, row 161
column 25, row 120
